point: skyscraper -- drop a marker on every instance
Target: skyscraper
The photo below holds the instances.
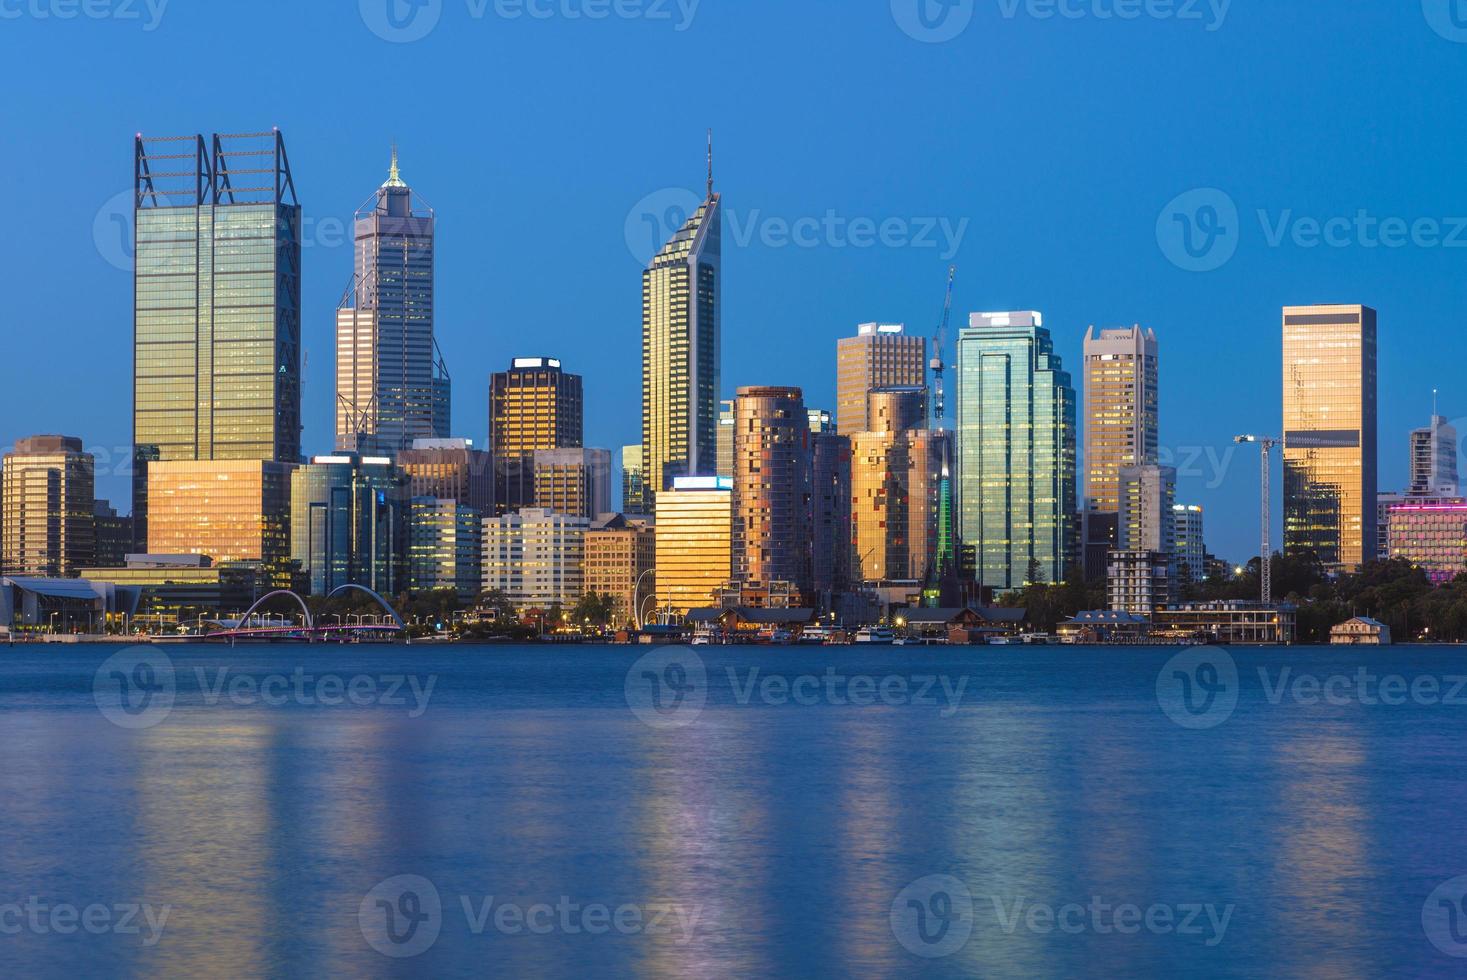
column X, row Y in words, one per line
column 682, row 290
column 772, row 537
column 1329, row 399
column 349, row 523
column 573, row 481
column 445, row 547
column 391, row 383
column 217, row 331
column 1148, row 494
column 534, row 405
column 536, row 559
column 635, row 498
column 230, row 510
column 831, row 512
column 449, row 469
column 694, row 542
column 1121, row 429
column 47, row 508
column 881, row 355
column 1016, row 451
column 1191, row 547
column 1434, row 459
column 896, row 484
column 725, row 439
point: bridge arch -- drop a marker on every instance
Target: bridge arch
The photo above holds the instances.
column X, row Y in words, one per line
column 266, row 598
column 380, row 601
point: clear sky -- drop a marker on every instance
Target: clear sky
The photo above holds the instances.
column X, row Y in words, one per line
column 1052, row 134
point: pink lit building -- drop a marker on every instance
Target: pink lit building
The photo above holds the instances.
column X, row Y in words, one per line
column 1432, row 537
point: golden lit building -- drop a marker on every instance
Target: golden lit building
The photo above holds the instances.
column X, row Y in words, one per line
column 1121, row 410
column 1330, row 433
column 771, row 489
column 47, row 508
column 621, row 562
column 573, row 481
column 896, row 489
column 534, row 405
column 694, row 542
column 881, row 355
column 230, row 510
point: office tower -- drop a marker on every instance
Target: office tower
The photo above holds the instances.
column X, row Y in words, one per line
column 881, row 355
column 634, row 496
column 725, row 439
column 682, row 293
column 1329, row 397
column 821, row 421
column 445, row 547
column 217, row 289
column 1016, row 451
column 535, row 558
column 534, row 405
column 1434, row 459
column 392, row 386
column 1147, row 496
column 1190, row 548
column 449, row 469
column 114, row 536
column 230, row 510
column 831, row 514
column 694, row 543
column 1121, row 410
column 772, row 537
column 621, row 562
column 349, row 523
column 47, row 504
column 1431, row 536
column 573, row 481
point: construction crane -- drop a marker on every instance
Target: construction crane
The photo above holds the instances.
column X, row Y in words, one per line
column 1265, row 561
column 939, row 400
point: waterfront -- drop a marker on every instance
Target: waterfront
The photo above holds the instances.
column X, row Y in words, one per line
column 765, row 821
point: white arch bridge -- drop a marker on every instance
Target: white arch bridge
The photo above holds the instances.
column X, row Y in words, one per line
column 255, row 626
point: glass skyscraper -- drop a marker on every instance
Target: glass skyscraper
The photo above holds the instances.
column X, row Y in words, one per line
column 349, row 523
column 217, row 331
column 1016, row 451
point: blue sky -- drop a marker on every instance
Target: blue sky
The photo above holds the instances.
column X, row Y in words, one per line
column 1053, row 134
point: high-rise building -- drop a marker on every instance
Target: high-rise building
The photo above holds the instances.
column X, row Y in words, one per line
column 881, row 355
column 772, row 537
column 621, row 562
column 1190, row 548
column 821, row 421
column 392, row 386
column 694, row 543
column 115, row 538
column 573, row 481
column 217, row 324
column 445, row 547
column 534, row 405
column 725, row 439
column 634, row 496
column 682, row 293
column 230, row 510
column 1431, row 536
column 1138, row 582
column 1121, row 410
column 536, row 559
column 831, row 514
column 1148, row 494
column 1329, row 397
column 1434, row 459
column 449, row 469
column 897, row 480
column 349, row 523
column 47, row 508
column 1016, row 451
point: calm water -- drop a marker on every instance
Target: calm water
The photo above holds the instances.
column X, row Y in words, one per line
column 721, row 826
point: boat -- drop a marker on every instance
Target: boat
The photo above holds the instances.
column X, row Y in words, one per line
column 879, row 635
column 816, row 636
column 774, row 636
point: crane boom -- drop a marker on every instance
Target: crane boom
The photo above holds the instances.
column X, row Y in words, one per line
column 939, row 343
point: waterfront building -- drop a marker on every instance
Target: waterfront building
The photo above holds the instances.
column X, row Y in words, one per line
column 682, row 290
column 1434, row 459
column 634, row 496
column 445, row 547
column 171, row 590
column 217, row 290
column 1146, row 522
column 1431, row 535
column 1138, row 582
column 694, row 543
column 47, row 508
column 573, row 481
column 349, row 523
column 535, row 557
column 534, row 405
column 772, row 535
column 1329, row 400
column 880, row 355
column 621, row 562
column 230, row 510
column 830, row 515
column 1231, row 621
column 898, row 474
column 1015, row 451
column 392, row 386
column 1190, row 549
column 449, row 469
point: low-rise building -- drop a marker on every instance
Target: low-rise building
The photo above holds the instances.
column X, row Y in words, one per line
column 1104, row 626
column 1138, row 582
column 1431, row 536
column 535, row 557
column 1361, row 631
column 621, row 562
column 1233, row 621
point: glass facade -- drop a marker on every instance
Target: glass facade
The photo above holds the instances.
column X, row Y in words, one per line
column 573, row 481
column 881, row 355
column 897, row 503
column 634, row 497
column 445, row 547
column 1433, row 537
column 229, row 510
column 694, row 543
column 1016, row 451
column 831, row 512
column 1191, row 548
column 1329, row 400
column 349, row 523
column 1145, row 522
column 1121, row 410
column 47, row 508
column 535, row 405
column 772, row 535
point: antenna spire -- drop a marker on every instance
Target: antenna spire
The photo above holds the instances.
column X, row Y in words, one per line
column 710, row 164
column 394, row 176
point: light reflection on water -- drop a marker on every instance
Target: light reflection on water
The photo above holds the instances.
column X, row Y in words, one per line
column 787, row 829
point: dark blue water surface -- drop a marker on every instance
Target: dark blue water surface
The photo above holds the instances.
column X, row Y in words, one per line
column 735, row 830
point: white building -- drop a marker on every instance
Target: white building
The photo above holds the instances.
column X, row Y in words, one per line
column 1190, row 552
column 536, row 558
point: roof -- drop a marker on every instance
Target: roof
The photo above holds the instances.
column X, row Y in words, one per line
column 1365, row 621
column 749, row 614
column 1106, row 617
column 55, row 588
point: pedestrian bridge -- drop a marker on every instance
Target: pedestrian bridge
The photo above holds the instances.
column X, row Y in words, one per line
column 255, row 625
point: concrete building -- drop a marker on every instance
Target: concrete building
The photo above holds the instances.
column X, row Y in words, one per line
column 1190, row 551
column 621, row 562
column 47, row 508
column 725, row 439
column 1329, row 400
column 694, row 543
column 881, row 355
column 1232, row 622
column 1121, row 430
column 449, row 469
column 178, row 589
column 772, row 534
column 1434, row 460
column 350, row 517
column 535, row 557
column 1146, row 521
column 230, row 510
column 535, row 405
column 897, row 479
column 445, row 547
column 1431, row 535
column 1138, row 582
column 573, row 481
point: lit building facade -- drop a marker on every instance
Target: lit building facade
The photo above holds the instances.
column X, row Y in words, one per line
column 47, row 508
column 1190, row 550
column 573, row 481
column 881, row 355
column 349, row 523
column 621, row 562
column 772, row 537
column 634, row 497
column 1015, row 451
column 1431, row 536
column 1138, row 582
column 230, row 510
column 1148, row 494
column 1121, row 410
column 535, row 558
column 1329, row 398
column 445, row 547
column 114, row 536
column 1434, row 459
column 897, row 479
column 694, row 543
column 392, row 386
column 449, row 469
column 217, row 290
column 534, row 405
column 725, row 440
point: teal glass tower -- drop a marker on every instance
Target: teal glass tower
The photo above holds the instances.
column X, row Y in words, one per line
column 1016, row 451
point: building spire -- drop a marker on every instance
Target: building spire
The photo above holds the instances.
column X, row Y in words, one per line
column 394, row 176
column 710, row 164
